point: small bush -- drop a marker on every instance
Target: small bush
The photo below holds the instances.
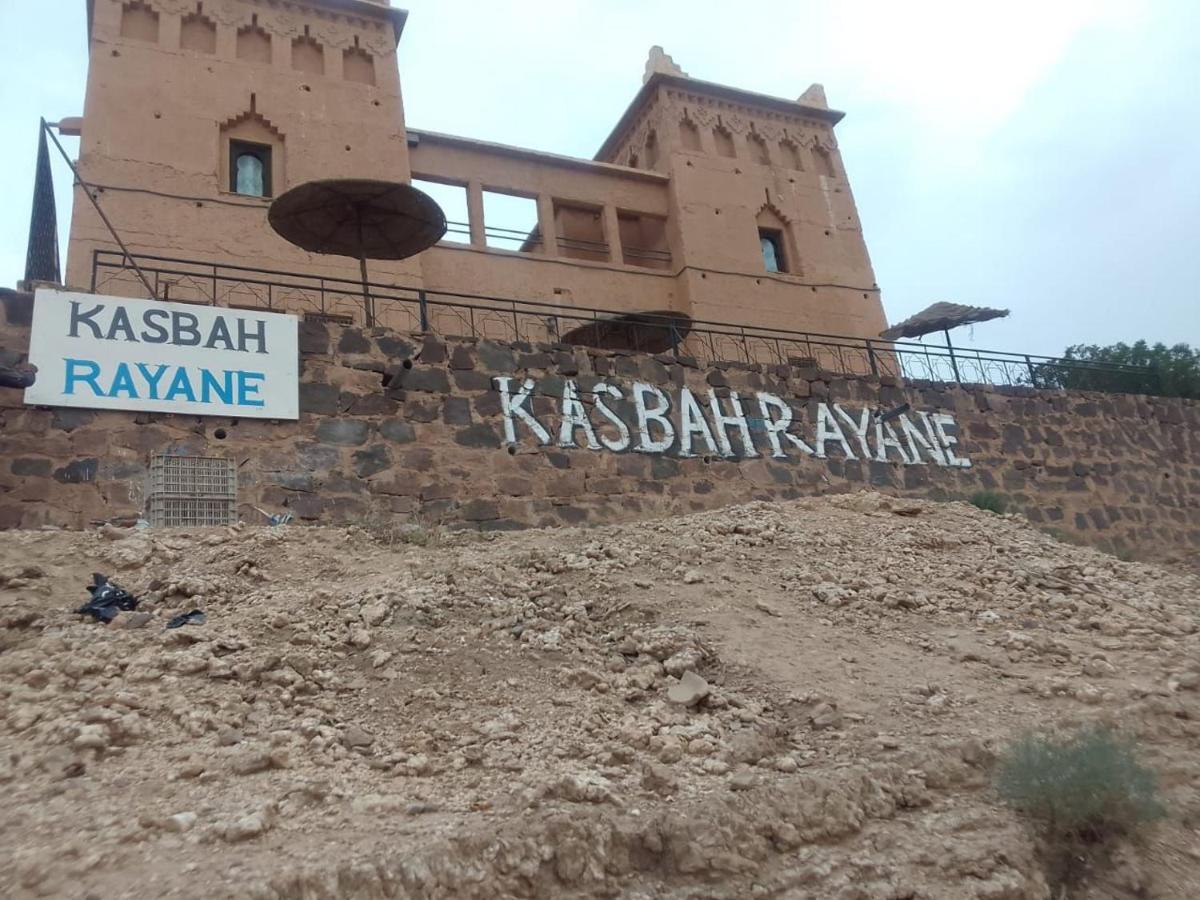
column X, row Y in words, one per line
column 990, row 501
column 1088, row 784
column 1081, row 791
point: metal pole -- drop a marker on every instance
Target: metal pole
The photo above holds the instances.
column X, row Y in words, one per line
column 1032, row 371
column 87, row 189
column 953, row 361
column 368, row 307
column 423, row 305
column 367, row 303
column 871, row 357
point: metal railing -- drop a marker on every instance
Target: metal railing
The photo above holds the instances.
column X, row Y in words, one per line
column 449, row 314
column 530, row 241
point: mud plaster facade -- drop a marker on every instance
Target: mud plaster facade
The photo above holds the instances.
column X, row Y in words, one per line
column 666, row 218
column 1118, row 471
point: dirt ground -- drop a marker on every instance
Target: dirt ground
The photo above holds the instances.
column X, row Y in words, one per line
column 791, row 700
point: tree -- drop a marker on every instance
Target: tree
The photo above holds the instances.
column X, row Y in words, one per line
column 1126, row 368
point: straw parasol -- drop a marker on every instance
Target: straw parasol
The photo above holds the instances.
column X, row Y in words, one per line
column 361, row 219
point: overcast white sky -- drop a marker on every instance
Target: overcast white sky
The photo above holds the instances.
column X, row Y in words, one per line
column 1042, row 156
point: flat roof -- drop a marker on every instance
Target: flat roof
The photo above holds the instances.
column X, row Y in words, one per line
column 556, row 159
column 832, row 116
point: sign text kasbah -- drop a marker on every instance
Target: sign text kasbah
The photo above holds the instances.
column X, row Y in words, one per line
column 687, row 423
column 119, row 353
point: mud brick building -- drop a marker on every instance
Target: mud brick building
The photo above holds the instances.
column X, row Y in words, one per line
column 705, row 202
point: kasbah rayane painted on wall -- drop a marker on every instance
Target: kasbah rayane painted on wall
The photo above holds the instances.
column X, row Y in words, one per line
column 667, row 218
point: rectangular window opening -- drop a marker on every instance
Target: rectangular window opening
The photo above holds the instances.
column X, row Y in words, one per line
column 512, row 222
column 452, row 198
column 771, row 242
column 580, row 231
column 250, row 169
column 644, row 240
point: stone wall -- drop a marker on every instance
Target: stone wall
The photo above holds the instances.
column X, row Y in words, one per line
column 400, row 427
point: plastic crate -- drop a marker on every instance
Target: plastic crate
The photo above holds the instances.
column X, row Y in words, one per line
column 192, row 491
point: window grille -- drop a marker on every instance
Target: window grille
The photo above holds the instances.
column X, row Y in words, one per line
column 192, row 491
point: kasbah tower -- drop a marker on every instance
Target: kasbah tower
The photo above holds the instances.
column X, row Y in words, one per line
column 705, row 202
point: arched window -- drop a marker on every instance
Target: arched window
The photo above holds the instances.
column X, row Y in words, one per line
column 252, row 155
column 250, row 169
column 772, row 250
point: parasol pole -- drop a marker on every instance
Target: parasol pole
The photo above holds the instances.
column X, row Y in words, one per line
column 949, row 346
column 368, row 306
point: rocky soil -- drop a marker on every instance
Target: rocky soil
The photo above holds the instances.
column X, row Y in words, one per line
column 789, row 700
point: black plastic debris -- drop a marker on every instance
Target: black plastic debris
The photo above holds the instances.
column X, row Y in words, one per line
column 107, row 600
column 195, row 617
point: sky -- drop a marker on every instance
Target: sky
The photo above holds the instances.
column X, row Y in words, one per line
column 1042, row 157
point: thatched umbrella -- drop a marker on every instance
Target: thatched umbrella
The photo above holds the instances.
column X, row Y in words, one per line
column 942, row 317
column 361, row 219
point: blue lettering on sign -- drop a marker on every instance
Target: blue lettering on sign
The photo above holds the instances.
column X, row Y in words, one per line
column 139, row 381
column 82, row 370
column 248, row 387
column 209, row 386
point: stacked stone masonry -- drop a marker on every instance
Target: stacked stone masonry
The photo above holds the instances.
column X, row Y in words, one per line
column 399, row 427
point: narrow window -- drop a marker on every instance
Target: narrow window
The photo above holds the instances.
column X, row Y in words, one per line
column 771, row 242
column 250, row 169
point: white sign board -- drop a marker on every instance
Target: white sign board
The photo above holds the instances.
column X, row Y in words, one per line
column 147, row 355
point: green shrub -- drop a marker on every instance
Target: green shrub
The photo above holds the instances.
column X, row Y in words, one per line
column 1081, row 791
column 989, row 500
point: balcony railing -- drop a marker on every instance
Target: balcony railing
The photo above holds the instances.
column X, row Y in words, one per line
column 530, row 241
column 479, row 316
